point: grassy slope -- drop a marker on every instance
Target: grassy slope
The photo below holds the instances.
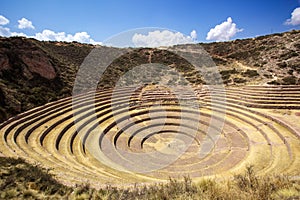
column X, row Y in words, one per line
column 20, row 180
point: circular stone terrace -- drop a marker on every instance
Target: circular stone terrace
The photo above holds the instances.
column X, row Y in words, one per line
column 260, row 128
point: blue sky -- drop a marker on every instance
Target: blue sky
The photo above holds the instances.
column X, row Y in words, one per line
column 101, row 19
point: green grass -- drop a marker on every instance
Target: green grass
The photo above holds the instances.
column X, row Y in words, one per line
column 20, row 180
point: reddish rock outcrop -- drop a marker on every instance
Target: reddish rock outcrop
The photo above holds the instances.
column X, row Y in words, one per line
column 21, row 52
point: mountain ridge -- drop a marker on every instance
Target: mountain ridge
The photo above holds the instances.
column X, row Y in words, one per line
column 34, row 72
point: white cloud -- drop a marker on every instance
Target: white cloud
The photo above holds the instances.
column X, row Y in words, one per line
column 194, row 35
column 49, row 35
column 295, row 18
column 25, row 23
column 5, row 32
column 162, row 38
column 3, row 20
column 223, row 31
column 46, row 35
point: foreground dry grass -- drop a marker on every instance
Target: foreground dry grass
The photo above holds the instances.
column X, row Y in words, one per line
column 19, row 180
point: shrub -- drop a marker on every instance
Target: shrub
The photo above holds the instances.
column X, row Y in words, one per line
column 263, row 63
column 239, row 80
column 288, row 55
column 297, row 45
column 250, row 73
column 282, row 65
column 3, row 114
column 294, row 66
column 290, row 72
column 289, row 80
column 228, row 72
column 226, row 76
column 219, row 61
column 273, row 82
column 240, row 55
column 247, row 181
column 268, row 75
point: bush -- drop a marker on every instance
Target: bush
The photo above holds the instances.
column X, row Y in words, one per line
column 219, row 61
column 268, row 75
column 294, row 66
column 240, row 55
column 250, row 73
column 282, row 65
column 289, row 80
column 297, row 45
column 290, row 72
column 288, row 55
column 274, row 82
column 239, row 80
column 229, row 72
column 3, row 114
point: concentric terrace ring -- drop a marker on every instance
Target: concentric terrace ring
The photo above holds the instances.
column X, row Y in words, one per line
column 47, row 135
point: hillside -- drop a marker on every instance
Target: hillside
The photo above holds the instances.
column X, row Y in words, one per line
column 20, row 180
column 33, row 73
column 274, row 57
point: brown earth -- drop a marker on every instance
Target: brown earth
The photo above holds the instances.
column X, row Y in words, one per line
column 33, row 73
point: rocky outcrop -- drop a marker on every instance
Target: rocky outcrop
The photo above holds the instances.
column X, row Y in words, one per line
column 21, row 55
column 32, row 73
